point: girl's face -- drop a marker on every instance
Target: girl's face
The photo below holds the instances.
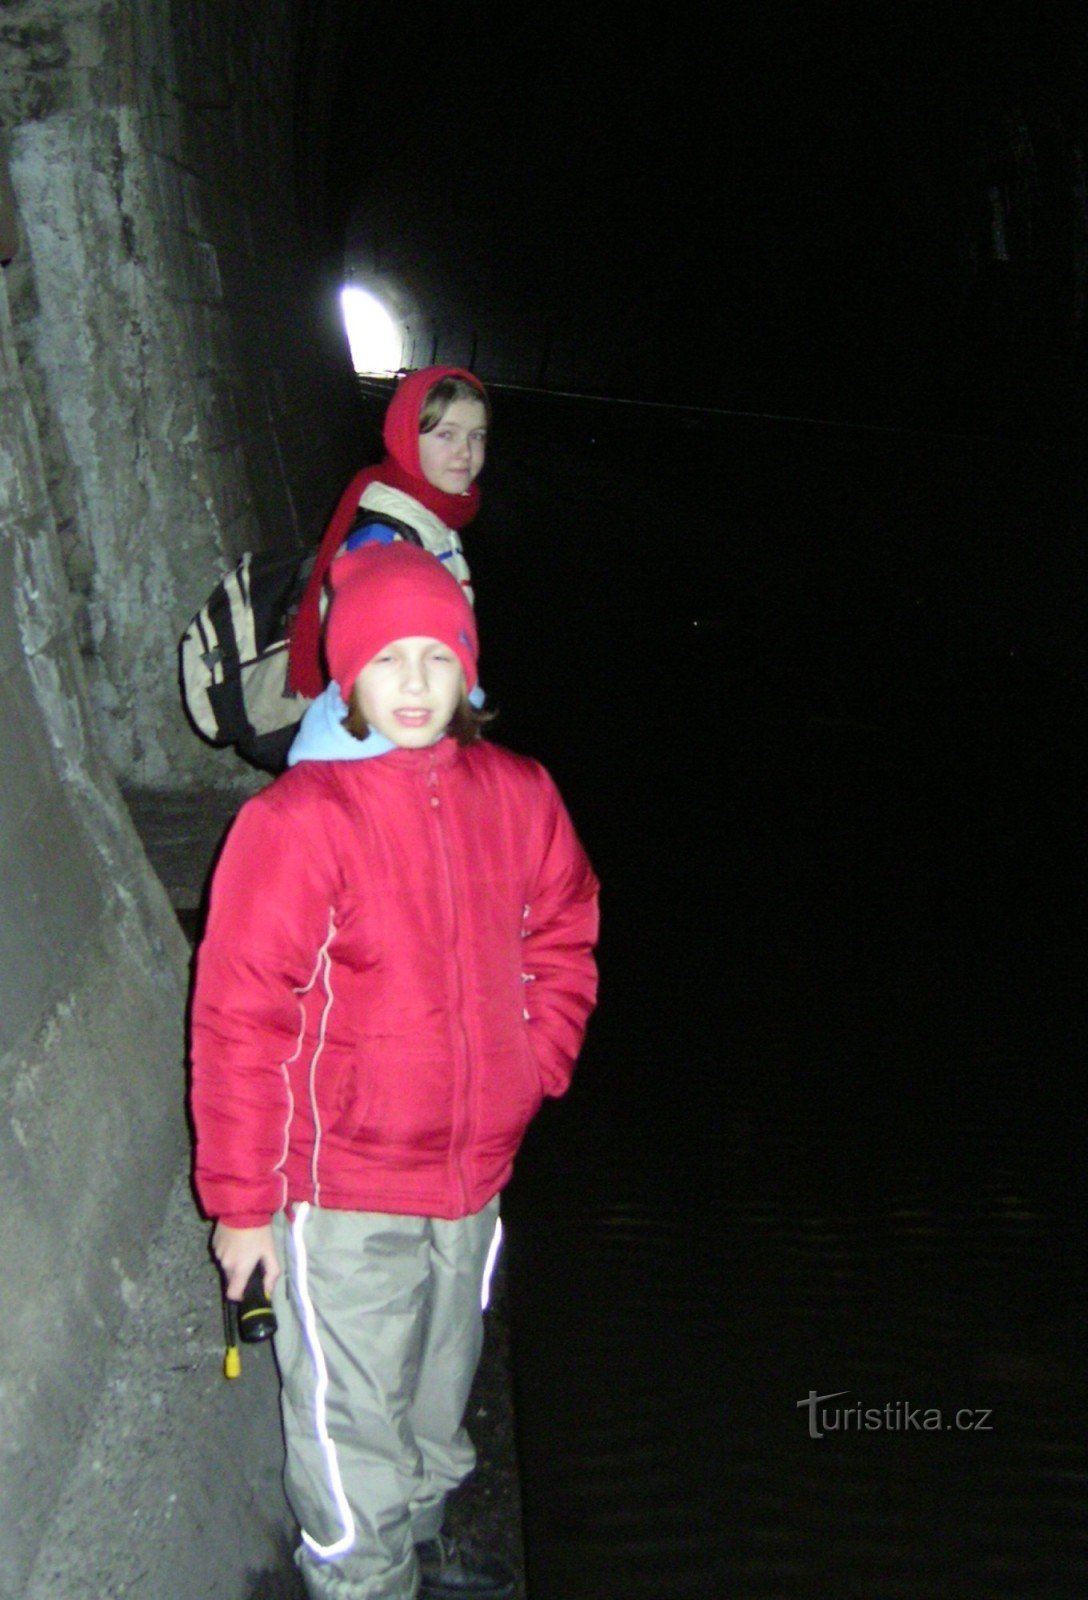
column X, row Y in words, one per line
column 452, row 454
column 410, row 690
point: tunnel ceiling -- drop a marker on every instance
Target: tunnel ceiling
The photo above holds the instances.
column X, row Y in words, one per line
column 758, row 189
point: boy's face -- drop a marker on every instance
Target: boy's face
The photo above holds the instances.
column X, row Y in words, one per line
column 410, row 690
column 452, row 454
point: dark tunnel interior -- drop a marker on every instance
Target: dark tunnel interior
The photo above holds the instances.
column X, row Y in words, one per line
column 780, row 208
column 779, row 570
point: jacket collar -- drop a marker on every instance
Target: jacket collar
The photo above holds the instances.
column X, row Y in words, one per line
column 433, row 757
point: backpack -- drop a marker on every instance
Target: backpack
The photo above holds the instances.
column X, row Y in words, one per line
column 233, row 655
column 233, row 658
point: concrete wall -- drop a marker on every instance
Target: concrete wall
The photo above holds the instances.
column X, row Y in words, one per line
column 93, row 974
column 174, row 389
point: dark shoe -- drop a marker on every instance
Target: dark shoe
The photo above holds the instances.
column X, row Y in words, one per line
column 457, row 1569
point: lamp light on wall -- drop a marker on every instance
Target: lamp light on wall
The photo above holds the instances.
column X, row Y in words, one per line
column 375, row 341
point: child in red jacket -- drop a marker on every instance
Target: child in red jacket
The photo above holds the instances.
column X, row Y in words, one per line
column 397, row 967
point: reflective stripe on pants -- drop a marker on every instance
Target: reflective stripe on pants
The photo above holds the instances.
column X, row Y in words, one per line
column 380, row 1331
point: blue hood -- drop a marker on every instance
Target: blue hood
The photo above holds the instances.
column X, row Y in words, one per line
column 323, row 737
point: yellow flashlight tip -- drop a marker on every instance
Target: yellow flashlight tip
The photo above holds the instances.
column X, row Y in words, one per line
column 232, row 1363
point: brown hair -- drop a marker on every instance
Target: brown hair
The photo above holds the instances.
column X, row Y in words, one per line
column 466, row 725
column 441, row 395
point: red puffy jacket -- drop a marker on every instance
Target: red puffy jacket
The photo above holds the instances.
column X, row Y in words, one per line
column 397, row 966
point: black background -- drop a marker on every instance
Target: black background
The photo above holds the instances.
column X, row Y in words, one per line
column 767, row 205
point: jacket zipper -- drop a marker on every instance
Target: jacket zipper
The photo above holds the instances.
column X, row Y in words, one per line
column 459, row 1133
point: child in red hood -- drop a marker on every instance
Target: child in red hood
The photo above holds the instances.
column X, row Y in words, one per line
column 435, row 434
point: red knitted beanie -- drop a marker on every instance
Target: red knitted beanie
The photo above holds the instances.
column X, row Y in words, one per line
column 384, row 592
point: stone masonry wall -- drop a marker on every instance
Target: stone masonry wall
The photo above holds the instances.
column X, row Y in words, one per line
column 93, row 976
column 172, row 391
column 192, row 391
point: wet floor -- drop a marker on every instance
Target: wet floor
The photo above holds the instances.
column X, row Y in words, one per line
column 796, row 1272
column 738, row 1216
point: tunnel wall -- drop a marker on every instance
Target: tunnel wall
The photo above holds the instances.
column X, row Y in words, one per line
column 93, row 971
column 180, row 339
column 494, row 324
column 174, row 389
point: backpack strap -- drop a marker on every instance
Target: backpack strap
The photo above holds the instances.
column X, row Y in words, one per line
column 379, row 519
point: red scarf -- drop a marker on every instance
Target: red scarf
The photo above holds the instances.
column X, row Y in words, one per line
column 399, row 470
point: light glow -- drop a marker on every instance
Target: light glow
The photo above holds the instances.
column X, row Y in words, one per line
column 374, row 339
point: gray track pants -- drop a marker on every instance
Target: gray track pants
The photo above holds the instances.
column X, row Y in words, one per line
column 380, row 1331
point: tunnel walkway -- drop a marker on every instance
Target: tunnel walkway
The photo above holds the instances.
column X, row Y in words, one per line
column 176, row 1407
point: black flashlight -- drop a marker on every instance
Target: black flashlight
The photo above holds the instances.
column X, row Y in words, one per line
column 256, row 1319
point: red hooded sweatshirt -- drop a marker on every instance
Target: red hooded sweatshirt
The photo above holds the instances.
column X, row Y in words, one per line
column 401, row 470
